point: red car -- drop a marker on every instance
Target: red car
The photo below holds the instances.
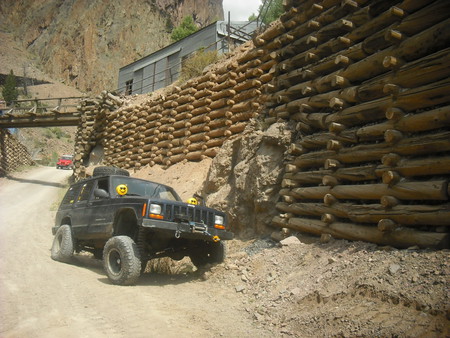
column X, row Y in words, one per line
column 65, row 162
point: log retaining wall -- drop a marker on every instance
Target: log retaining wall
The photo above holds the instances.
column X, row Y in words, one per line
column 13, row 154
column 366, row 84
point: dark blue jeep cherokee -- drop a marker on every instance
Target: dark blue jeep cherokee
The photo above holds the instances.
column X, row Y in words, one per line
column 128, row 221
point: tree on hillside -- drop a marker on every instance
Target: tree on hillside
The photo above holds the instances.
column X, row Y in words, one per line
column 10, row 92
column 186, row 28
column 269, row 11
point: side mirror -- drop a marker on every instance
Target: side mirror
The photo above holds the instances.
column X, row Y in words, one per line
column 101, row 193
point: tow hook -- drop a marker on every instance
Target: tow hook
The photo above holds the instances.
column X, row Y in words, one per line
column 216, row 239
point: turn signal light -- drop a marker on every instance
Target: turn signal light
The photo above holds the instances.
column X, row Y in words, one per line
column 156, row 216
column 219, row 226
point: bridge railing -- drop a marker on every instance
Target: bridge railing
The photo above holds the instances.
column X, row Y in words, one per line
column 39, row 106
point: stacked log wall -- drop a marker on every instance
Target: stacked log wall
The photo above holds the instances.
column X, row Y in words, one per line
column 13, row 154
column 367, row 84
column 186, row 122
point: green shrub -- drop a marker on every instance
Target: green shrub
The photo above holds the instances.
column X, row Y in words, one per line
column 195, row 64
column 10, row 92
column 186, row 28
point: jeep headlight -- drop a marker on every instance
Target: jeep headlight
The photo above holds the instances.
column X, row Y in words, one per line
column 155, row 211
column 219, row 222
column 218, row 219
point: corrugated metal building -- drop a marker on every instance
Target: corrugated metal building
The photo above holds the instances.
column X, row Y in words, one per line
column 162, row 68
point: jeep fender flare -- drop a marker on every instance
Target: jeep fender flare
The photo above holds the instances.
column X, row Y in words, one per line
column 126, row 223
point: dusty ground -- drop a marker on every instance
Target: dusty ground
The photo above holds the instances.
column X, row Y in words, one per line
column 303, row 289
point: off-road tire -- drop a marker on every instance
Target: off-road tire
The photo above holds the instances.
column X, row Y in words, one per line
column 208, row 253
column 121, row 260
column 63, row 246
column 105, row 171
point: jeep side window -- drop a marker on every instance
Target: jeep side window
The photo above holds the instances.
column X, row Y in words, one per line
column 71, row 194
column 85, row 192
column 103, row 184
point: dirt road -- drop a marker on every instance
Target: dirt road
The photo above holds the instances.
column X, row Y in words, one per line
column 43, row 298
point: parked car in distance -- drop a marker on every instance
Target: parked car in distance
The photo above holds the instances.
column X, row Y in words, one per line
column 65, row 162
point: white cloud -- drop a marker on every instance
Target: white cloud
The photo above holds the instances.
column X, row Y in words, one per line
column 240, row 10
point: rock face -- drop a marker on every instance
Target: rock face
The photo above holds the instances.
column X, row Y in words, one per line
column 85, row 42
column 245, row 175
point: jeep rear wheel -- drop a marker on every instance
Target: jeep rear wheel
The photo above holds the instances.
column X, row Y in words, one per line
column 63, row 247
column 208, row 253
column 121, row 260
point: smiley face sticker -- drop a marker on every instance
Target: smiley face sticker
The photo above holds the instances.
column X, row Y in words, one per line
column 122, row 189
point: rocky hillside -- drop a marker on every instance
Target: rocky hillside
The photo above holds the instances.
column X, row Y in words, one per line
column 84, row 43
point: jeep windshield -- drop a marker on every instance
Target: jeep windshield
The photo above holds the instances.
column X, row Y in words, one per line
column 137, row 187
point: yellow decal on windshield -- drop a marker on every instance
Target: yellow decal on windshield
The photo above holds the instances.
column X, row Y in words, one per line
column 122, row 189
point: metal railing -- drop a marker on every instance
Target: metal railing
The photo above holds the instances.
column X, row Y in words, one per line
column 39, row 106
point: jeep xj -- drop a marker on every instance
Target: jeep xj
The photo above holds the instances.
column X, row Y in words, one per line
column 127, row 221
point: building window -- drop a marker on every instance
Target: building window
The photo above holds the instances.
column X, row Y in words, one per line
column 129, row 87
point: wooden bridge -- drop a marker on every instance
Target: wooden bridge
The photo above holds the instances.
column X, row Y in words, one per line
column 41, row 113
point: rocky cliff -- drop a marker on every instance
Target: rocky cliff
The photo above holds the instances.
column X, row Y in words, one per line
column 85, row 42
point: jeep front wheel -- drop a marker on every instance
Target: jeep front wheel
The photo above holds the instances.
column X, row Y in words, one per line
column 62, row 247
column 121, row 260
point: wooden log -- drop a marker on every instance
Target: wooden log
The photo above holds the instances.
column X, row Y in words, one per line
column 419, row 145
column 220, row 104
column 217, row 123
column 428, row 120
column 219, row 113
column 389, row 201
column 246, row 95
column 248, row 65
column 253, row 54
column 386, row 225
column 430, row 40
column 328, row 140
column 390, row 177
column 195, row 156
column 244, row 106
column 427, row 166
column 223, row 86
column 198, row 111
column 247, row 85
column 211, row 152
column 402, row 238
column 215, row 142
column 429, row 190
column 237, row 127
column 279, row 221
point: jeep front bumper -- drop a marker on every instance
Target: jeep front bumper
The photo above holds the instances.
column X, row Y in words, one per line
column 189, row 230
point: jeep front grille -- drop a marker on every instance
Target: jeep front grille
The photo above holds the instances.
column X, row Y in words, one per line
column 197, row 214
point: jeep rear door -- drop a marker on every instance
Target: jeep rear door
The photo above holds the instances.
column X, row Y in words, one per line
column 100, row 212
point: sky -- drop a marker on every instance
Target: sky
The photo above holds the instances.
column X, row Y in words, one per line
column 240, row 10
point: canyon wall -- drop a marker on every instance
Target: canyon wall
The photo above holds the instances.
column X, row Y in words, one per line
column 84, row 43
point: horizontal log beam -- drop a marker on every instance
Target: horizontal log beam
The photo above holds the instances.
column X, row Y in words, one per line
column 401, row 238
